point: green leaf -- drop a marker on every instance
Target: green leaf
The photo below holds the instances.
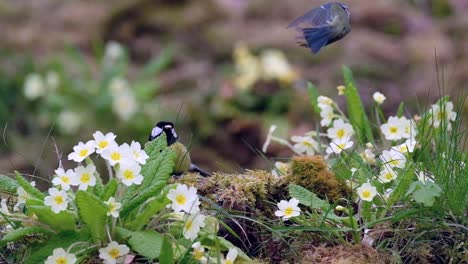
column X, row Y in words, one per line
column 33, row 191
column 151, row 208
column 356, row 112
column 401, row 109
column 123, row 233
column 166, row 256
column 109, row 189
column 148, row 243
column 425, row 193
column 313, row 97
column 405, row 178
column 41, row 251
column 154, row 190
column 8, row 185
column 93, row 212
column 307, row 197
column 17, row 234
column 62, row 221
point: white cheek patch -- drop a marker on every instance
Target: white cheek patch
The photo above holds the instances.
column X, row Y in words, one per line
column 156, row 132
column 174, row 133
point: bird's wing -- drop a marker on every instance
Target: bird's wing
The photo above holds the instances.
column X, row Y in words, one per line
column 315, row 17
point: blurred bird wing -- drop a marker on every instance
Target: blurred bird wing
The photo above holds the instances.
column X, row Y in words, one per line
column 316, row 17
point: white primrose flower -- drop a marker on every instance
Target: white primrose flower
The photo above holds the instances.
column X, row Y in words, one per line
column 387, row 174
column 34, row 86
column 138, row 154
column 393, row 158
column 282, row 167
column 394, row 129
column 199, row 252
column 324, row 101
column 130, row 174
column 338, row 145
column 63, row 178
column 366, row 192
column 84, row 177
column 368, row 155
column 192, row 225
column 103, row 141
column 118, row 154
column 407, row 147
column 231, row 256
column 409, row 128
column 327, row 114
column 340, row 130
column 113, row 51
column 113, row 252
column 183, row 198
column 23, row 196
column 276, row 66
column 443, row 114
column 114, row 207
column 125, row 105
column 82, row 150
column 60, row 256
column 57, row 200
column 379, row 98
column 305, row 144
column 288, row 209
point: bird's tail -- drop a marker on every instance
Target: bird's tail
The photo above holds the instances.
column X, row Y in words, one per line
column 316, row 37
column 202, row 172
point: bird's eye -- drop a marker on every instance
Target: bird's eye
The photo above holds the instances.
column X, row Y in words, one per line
column 156, row 132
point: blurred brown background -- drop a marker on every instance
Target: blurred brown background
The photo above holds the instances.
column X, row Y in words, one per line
column 391, row 49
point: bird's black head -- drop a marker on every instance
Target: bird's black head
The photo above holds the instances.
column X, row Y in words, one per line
column 166, row 127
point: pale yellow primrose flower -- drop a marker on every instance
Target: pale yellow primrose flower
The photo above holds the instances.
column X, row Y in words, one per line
column 341, row 89
column 305, row 144
column 387, row 174
column 394, row 129
column 82, row 150
column 338, row 145
column 103, row 141
column 366, row 192
column 443, row 114
column 192, row 225
column 57, row 200
column 113, row 252
column 231, row 256
column 183, row 198
column 60, row 256
column 34, row 86
column 282, row 167
column 114, row 207
column 288, row 209
column 275, row 66
column 130, row 174
column 393, row 158
column 117, row 154
column 340, row 130
column 379, row 98
column 64, row 179
column 199, row 252
column 84, row 177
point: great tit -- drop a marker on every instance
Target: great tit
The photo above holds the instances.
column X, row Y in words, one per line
column 183, row 161
column 322, row 26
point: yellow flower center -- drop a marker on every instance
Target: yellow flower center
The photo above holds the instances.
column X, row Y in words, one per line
column 393, row 162
column 228, row 261
column 307, row 144
column 65, row 179
column 441, row 115
column 342, row 145
column 103, row 144
column 181, row 199
column 112, row 207
column 366, row 194
column 188, row 225
column 61, row 260
column 340, row 133
column 114, row 253
column 197, row 254
column 128, row 174
column 288, row 211
column 115, row 156
column 85, row 178
column 393, row 130
column 58, row 199
column 83, row 152
column 388, row 176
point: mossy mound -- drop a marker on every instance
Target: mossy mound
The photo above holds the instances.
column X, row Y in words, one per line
column 311, row 172
column 346, row 254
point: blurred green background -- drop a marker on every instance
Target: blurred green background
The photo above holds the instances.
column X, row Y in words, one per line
column 222, row 70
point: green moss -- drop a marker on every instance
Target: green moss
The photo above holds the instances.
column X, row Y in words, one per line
column 311, row 172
